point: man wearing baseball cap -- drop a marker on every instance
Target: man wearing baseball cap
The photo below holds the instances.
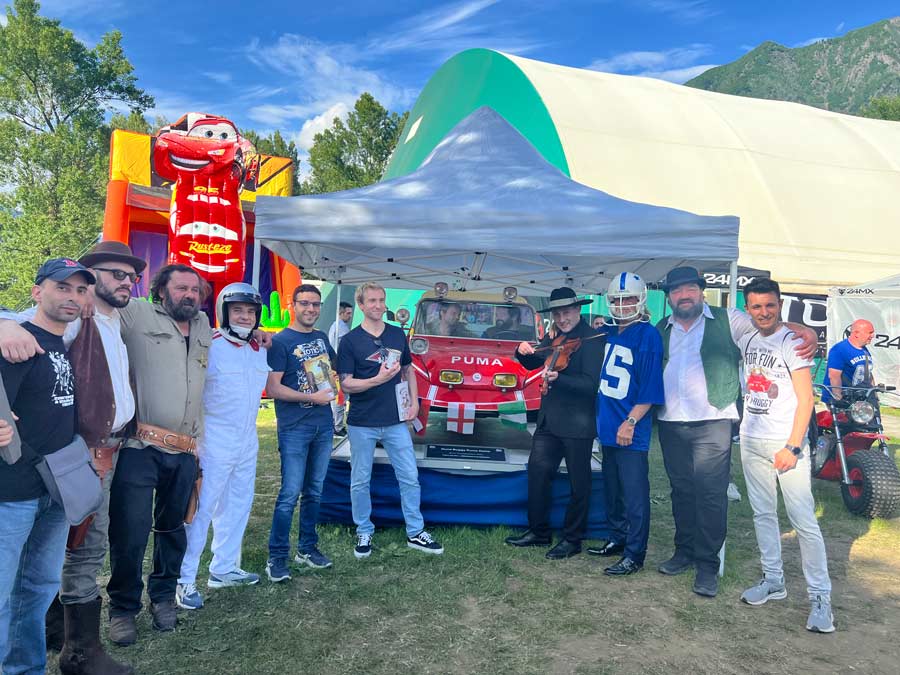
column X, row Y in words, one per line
column 701, row 383
column 33, row 528
column 106, row 405
column 565, row 426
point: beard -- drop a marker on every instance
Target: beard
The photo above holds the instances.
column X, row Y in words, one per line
column 182, row 311
column 108, row 295
column 691, row 311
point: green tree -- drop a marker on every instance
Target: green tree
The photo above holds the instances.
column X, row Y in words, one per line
column 275, row 144
column 356, row 153
column 883, row 108
column 133, row 121
column 54, row 93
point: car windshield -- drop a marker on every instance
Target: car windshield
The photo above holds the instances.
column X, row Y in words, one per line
column 500, row 321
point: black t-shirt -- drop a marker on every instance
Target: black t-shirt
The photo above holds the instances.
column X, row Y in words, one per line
column 361, row 354
column 41, row 392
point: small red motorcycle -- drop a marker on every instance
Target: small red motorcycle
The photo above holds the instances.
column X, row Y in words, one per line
column 847, row 444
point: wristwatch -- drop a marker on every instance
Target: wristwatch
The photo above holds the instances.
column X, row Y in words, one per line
column 631, row 420
column 795, row 449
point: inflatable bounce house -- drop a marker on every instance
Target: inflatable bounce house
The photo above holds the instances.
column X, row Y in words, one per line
column 187, row 195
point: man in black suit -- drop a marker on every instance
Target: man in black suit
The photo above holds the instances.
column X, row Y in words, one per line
column 566, row 427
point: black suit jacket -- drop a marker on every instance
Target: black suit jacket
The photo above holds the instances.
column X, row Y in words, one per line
column 568, row 409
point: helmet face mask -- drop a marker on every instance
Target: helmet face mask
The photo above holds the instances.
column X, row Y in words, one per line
column 237, row 293
column 626, row 286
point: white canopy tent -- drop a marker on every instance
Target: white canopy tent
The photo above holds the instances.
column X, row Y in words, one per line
column 879, row 302
column 485, row 211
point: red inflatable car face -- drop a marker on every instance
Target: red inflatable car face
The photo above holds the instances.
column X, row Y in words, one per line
column 205, row 157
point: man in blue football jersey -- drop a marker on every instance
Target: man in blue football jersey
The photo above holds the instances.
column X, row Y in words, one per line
column 631, row 383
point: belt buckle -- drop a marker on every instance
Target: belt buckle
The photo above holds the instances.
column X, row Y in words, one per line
column 166, row 441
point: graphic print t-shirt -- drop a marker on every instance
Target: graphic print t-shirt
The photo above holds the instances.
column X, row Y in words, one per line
column 361, row 355
column 632, row 374
column 855, row 365
column 769, row 398
column 41, row 392
column 289, row 350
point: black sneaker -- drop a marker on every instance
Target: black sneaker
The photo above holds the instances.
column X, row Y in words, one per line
column 424, row 542
column 363, row 546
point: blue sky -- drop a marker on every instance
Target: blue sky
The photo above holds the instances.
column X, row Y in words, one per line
column 293, row 66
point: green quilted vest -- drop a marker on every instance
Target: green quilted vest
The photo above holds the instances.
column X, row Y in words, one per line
column 720, row 357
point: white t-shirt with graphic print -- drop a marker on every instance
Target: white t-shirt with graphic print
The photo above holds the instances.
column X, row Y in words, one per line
column 769, row 398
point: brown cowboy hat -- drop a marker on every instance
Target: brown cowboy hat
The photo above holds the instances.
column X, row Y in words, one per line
column 112, row 251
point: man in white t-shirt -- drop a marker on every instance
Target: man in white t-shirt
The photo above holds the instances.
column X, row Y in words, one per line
column 778, row 401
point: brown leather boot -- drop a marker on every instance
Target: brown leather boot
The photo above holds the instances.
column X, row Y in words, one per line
column 53, row 624
column 82, row 653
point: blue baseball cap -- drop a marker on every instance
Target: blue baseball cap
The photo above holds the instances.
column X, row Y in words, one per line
column 60, row 269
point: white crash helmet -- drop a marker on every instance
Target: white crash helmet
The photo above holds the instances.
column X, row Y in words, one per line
column 238, row 292
column 626, row 285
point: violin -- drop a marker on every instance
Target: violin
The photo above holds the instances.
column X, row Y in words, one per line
column 561, row 349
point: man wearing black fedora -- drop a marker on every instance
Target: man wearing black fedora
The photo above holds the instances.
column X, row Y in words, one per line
column 566, row 426
column 701, row 382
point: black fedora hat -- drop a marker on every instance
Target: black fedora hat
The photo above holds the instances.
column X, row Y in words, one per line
column 564, row 297
column 112, row 251
column 683, row 275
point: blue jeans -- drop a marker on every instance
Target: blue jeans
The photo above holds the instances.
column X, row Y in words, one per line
column 32, row 550
column 305, row 452
column 398, row 444
column 626, row 490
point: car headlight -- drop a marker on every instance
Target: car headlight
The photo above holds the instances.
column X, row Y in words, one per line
column 505, row 380
column 862, row 412
column 418, row 345
column 451, row 377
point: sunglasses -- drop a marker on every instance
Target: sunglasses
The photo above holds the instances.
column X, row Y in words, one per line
column 120, row 275
column 307, row 303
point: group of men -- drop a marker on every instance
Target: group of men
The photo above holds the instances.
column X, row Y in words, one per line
column 688, row 367
column 160, row 399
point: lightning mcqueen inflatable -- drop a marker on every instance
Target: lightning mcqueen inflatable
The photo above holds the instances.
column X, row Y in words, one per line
column 463, row 347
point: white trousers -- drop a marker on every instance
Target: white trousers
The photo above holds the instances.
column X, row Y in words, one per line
column 226, row 498
column 759, row 472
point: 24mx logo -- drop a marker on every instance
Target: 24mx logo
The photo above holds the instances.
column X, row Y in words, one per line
column 856, row 291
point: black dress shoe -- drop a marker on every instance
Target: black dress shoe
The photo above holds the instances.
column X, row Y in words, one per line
column 609, row 548
column 706, row 583
column 528, row 538
column 625, row 566
column 564, row 549
column 677, row 564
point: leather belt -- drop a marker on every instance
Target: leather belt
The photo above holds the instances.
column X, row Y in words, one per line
column 164, row 438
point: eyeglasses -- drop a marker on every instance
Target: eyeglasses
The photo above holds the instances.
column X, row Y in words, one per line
column 120, row 275
column 307, row 303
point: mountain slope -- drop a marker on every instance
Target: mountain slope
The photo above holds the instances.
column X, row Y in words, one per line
column 841, row 74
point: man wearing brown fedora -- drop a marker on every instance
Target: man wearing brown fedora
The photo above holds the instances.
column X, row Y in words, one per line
column 105, row 406
column 566, row 425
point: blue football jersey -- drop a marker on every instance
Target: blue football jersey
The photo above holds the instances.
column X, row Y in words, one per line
column 632, row 374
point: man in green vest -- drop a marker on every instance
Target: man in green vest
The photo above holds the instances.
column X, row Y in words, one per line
column 702, row 383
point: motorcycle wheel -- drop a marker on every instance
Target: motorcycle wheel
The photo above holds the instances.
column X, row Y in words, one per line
column 875, row 492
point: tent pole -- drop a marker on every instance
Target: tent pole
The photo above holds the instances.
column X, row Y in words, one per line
column 257, row 252
column 733, row 285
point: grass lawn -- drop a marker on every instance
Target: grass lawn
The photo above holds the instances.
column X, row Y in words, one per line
column 484, row 607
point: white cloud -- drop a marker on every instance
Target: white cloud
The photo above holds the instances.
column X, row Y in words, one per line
column 314, row 125
column 674, row 65
column 684, row 11
column 222, row 77
column 839, row 27
column 3, row 20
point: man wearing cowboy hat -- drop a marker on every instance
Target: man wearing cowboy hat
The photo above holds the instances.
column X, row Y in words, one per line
column 566, row 427
column 701, row 383
column 105, row 406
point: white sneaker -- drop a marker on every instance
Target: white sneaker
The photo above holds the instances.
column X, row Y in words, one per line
column 236, row 577
column 820, row 620
column 188, row 597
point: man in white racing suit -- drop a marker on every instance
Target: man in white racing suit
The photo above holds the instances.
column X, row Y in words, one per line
column 229, row 444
